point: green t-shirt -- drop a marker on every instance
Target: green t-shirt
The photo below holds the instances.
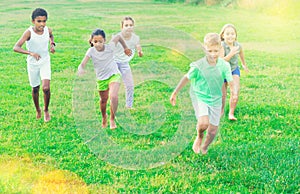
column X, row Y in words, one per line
column 207, row 80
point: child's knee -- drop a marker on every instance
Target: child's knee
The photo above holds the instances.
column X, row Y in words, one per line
column 212, row 132
column 202, row 126
column 35, row 89
column 114, row 97
column 103, row 99
column 46, row 89
column 235, row 97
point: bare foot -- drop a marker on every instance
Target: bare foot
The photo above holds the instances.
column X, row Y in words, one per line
column 47, row 117
column 204, row 150
column 112, row 125
column 104, row 121
column 38, row 114
column 232, row 117
column 197, row 145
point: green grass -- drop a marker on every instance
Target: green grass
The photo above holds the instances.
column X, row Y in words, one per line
column 257, row 154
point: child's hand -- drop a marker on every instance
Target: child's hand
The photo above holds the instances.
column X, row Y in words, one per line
column 140, row 53
column 245, row 68
column 52, row 48
column 173, row 99
column 235, row 50
column 80, row 71
column 128, row 52
column 35, row 55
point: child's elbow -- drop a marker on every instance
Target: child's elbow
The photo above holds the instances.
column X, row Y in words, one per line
column 16, row 48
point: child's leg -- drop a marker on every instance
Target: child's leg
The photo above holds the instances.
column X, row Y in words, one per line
column 128, row 82
column 113, row 94
column 103, row 103
column 46, row 91
column 210, row 135
column 234, row 97
column 35, row 97
column 224, row 95
column 202, row 125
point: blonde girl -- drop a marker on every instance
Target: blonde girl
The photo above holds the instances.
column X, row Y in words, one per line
column 231, row 52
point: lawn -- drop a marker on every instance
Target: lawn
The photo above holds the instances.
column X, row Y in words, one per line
column 150, row 151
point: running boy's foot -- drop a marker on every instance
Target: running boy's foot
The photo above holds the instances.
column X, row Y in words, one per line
column 47, row 117
column 38, row 114
column 197, row 145
column 232, row 117
column 104, row 121
column 112, row 124
column 204, row 150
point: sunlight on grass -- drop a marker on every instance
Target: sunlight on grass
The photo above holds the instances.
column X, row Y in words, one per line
column 20, row 174
column 60, row 182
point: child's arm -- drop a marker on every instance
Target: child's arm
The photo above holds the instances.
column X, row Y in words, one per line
column 119, row 39
column 242, row 56
column 233, row 51
column 52, row 43
column 82, row 65
column 18, row 46
column 184, row 80
column 139, row 49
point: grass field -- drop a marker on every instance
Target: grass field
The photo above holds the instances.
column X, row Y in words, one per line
column 150, row 152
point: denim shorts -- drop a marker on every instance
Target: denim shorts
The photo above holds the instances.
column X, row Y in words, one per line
column 235, row 72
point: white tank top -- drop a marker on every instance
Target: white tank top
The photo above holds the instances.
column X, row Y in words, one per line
column 38, row 44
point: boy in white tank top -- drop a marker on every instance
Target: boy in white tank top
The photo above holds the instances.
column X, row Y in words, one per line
column 37, row 38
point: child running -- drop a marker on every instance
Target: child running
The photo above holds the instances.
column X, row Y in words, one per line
column 133, row 43
column 231, row 51
column 37, row 38
column 107, row 73
column 207, row 76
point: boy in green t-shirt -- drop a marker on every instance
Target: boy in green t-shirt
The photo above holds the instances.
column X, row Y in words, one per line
column 207, row 76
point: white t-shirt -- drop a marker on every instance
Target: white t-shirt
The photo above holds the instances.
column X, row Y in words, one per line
column 119, row 54
column 103, row 61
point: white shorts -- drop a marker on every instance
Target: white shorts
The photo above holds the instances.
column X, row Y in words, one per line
column 39, row 71
column 202, row 109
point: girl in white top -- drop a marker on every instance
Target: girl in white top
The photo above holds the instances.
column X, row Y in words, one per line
column 37, row 38
column 107, row 73
column 133, row 43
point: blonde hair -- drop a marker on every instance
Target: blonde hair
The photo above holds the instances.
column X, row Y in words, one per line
column 224, row 28
column 212, row 39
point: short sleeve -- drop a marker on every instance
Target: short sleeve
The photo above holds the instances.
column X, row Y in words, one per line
column 89, row 53
column 193, row 72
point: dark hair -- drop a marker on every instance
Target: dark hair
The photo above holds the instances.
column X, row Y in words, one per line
column 38, row 12
column 127, row 18
column 96, row 32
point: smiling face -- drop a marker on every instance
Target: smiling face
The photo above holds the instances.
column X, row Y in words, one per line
column 212, row 53
column 229, row 35
column 39, row 23
column 98, row 42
